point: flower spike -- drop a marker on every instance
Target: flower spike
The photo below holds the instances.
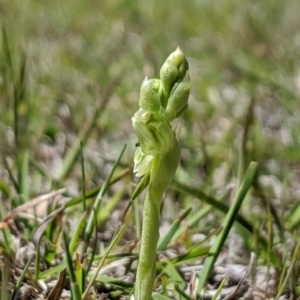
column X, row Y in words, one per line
column 157, row 155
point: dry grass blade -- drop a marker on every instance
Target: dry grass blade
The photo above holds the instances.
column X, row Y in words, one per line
column 232, row 295
column 28, row 205
column 42, row 227
column 103, row 297
column 58, row 288
column 193, row 284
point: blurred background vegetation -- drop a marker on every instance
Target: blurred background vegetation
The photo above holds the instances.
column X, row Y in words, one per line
column 62, row 62
column 63, row 56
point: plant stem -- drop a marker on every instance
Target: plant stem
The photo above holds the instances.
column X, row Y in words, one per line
column 147, row 257
column 162, row 173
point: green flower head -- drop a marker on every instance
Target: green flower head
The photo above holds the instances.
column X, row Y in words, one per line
column 161, row 101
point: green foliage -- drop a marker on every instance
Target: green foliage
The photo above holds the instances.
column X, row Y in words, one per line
column 70, row 74
column 228, row 222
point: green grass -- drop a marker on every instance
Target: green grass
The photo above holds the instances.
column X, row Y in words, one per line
column 70, row 74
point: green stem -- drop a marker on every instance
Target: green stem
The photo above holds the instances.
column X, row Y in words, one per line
column 162, row 173
column 147, row 257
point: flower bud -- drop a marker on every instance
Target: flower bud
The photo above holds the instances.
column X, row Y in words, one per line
column 178, row 100
column 149, row 94
column 173, row 70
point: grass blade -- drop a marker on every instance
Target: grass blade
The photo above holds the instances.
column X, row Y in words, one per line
column 113, row 242
column 7, row 54
column 290, row 270
column 163, row 243
column 75, row 290
column 5, row 189
column 20, row 280
column 219, row 290
column 108, row 209
column 90, row 194
column 138, row 190
column 83, row 177
column 219, row 206
column 77, row 233
column 23, row 164
column 91, row 221
column 211, row 201
column 4, row 282
column 10, row 247
column 160, row 297
column 192, row 221
column 228, row 222
column 173, row 274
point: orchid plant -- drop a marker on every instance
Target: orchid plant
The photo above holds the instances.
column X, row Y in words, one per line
column 158, row 154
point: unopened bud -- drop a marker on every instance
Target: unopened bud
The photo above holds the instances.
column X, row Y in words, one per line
column 173, row 70
column 178, row 100
column 149, row 94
